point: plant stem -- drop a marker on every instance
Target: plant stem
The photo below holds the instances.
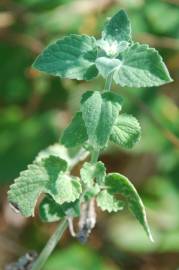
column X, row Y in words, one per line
column 107, row 87
column 94, row 156
column 108, row 82
column 51, row 244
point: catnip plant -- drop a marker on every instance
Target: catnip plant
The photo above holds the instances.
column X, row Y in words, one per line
column 99, row 121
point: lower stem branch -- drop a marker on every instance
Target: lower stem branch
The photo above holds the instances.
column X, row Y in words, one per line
column 51, row 244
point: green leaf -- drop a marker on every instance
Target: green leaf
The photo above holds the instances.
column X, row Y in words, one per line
column 108, row 202
column 75, row 134
column 117, row 183
column 53, row 150
column 106, row 65
column 46, row 176
column 116, row 34
column 72, row 57
column 118, row 28
column 126, row 131
column 90, row 171
column 50, row 211
column 100, row 112
column 68, row 189
column 92, row 192
column 141, row 67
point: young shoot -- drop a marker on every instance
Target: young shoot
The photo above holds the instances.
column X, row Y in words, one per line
column 98, row 122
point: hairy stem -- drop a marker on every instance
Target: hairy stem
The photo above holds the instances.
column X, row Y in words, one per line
column 107, row 87
column 94, row 156
column 108, row 82
column 51, row 244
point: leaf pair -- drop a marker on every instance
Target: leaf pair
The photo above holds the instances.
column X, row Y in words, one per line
column 81, row 57
column 99, row 121
column 47, row 176
column 106, row 189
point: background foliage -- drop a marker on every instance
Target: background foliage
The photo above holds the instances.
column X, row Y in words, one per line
column 34, row 108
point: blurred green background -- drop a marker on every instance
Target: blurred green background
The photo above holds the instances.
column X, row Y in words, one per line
column 34, row 108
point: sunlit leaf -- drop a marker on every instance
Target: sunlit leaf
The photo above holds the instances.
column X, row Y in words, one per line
column 126, row 131
column 72, row 57
column 108, row 202
column 141, row 67
column 116, row 34
column 90, row 171
column 99, row 113
column 46, row 176
column 118, row 183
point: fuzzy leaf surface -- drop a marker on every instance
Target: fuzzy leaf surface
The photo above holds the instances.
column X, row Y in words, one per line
column 72, row 57
column 92, row 192
column 107, row 202
column 50, row 211
column 118, row 183
column 69, row 189
column 141, row 66
column 90, row 171
column 107, row 65
column 100, row 112
column 126, row 131
column 118, row 28
column 75, row 134
column 46, row 176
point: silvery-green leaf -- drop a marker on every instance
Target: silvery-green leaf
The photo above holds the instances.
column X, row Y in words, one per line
column 108, row 202
column 68, row 189
column 107, row 65
column 50, row 211
column 75, row 134
column 141, row 66
column 71, row 57
column 118, row 183
column 89, row 172
column 111, row 48
column 126, row 131
column 46, row 176
column 116, row 36
column 92, row 192
column 117, row 28
column 100, row 112
column 53, row 150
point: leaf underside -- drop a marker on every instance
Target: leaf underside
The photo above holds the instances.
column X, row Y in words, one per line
column 107, row 202
column 50, row 211
column 118, row 183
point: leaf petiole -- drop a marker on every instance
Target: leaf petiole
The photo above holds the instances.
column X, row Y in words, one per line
column 94, row 156
column 108, row 82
